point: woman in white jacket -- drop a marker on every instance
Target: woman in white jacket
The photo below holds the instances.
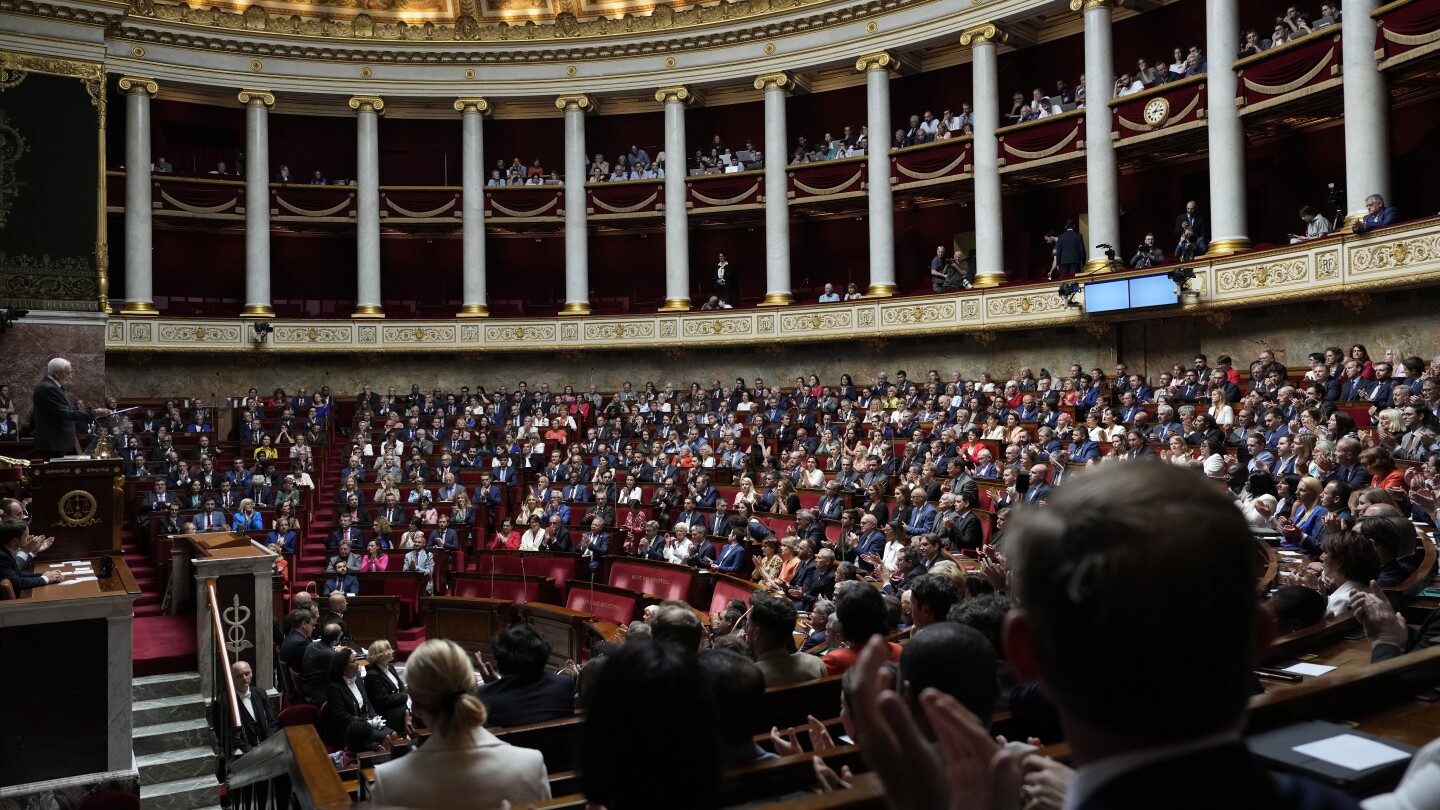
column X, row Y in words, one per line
column 461, row 758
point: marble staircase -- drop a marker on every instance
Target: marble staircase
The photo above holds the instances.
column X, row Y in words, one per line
column 172, row 743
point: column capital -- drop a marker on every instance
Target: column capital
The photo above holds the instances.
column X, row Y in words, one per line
column 371, row 104
column 578, row 101
column 139, row 84
column 1086, row 5
column 983, row 34
column 257, row 98
column 774, row 81
column 880, row 60
column 472, row 104
column 675, row 94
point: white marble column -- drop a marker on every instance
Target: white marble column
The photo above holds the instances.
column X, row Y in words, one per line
column 983, row 40
column 367, row 205
column 1102, row 173
column 1228, row 231
column 139, row 290
column 472, row 208
column 877, row 68
column 677, row 226
column 777, row 195
column 1367, row 112
column 257, row 203
column 577, row 234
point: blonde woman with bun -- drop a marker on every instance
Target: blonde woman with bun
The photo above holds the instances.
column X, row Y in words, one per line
column 461, row 758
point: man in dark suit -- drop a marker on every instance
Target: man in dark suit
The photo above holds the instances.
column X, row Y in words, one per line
column 292, row 649
column 1194, row 223
column 1069, row 251
column 557, row 537
column 522, row 692
column 14, row 535
column 594, row 544
column 1086, row 567
column 720, row 523
column 54, row 415
column 315, row 664
column 257, row 717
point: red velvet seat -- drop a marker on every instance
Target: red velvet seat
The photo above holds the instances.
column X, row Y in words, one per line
column 301, row 714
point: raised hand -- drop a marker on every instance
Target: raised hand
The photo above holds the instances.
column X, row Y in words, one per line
column 1382, row 624
column 786, row 745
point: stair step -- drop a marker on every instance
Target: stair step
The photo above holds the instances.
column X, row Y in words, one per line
column 171, row 736
column 167, row 766
column 168, row 709
column 181, row 794
column 175, row 684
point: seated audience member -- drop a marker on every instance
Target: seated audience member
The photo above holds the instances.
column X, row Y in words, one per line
column 14, row 537
column 771, row 636
column 860, row 612
column 344, row 554
column 1295, row 607
column 523, row 692
column 739, row 690
column 345, row 701
column 819, row 622
column 342, row 582
column 1316, row 226
column 636, row 690
column 1377, row 215
column 1349, row 562
column 829, row 295
column 957, row 661
column 1085, row 565
column 302, row 627
column 931, row 597
column 461, row 757
column 676, row 623
column 383, row 686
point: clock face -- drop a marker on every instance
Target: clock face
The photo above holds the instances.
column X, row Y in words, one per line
column 1157, row 112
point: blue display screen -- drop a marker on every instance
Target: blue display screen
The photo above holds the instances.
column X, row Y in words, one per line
column 1130, row 293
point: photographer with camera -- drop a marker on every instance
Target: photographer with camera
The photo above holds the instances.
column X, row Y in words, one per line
column 1148, row 254
column 1193, row 233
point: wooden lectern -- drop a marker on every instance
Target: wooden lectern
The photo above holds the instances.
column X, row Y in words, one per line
column 81, row 503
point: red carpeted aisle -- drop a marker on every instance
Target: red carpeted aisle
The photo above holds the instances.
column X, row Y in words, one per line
column 164, row 644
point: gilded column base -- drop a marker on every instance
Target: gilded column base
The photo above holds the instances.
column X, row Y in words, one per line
column 576, row 308
column 882, row 291
column 257, row 311
column 676, row 305
column 1224, row 247
column 778, row 299
column 1095, row 267
column 473, row 311
column 140, row 308
column 368, row 311
column 983, row 282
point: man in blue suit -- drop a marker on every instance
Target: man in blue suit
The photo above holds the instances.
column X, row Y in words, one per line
column 1377, row 215
column 1084, row 565
column 594, row 544
column 1081, row 448
column 920, row 518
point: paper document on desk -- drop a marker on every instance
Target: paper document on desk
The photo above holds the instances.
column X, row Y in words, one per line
column 1350, row 751
column 77, row 580
column 1309, row 669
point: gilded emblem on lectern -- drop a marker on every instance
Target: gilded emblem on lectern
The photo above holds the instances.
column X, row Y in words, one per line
column 78, row 508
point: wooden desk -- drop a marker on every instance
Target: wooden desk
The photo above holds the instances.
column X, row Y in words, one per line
column 372, row 617
column 73, row 644
column 468, row 621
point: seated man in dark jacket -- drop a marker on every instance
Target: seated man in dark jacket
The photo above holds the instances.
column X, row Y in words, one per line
column 524, row 693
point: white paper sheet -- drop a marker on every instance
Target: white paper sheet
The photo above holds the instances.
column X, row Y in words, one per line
column 76, row 580
column 1351, row 751
column 1309, row 669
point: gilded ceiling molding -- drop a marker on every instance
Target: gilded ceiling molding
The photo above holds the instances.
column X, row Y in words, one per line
column 774, row 81
column 1086, row 5
column 373, row 104
column 467, row 27
column 257, row 98
column 882, row 60
column 577, row 101
column 139, row 85
column 675, row 94
column 983, row 34
column 472, row 104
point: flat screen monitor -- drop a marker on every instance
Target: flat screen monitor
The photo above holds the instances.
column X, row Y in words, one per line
column 1107, row 296
column 1132, row 293
column 1152, row 291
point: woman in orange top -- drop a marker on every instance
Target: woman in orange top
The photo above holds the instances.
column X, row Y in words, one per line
column 789, row 559
column 1381, row 465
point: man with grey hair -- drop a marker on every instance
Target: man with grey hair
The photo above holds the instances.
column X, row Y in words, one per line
column 54, row 414
column 1377, row 215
